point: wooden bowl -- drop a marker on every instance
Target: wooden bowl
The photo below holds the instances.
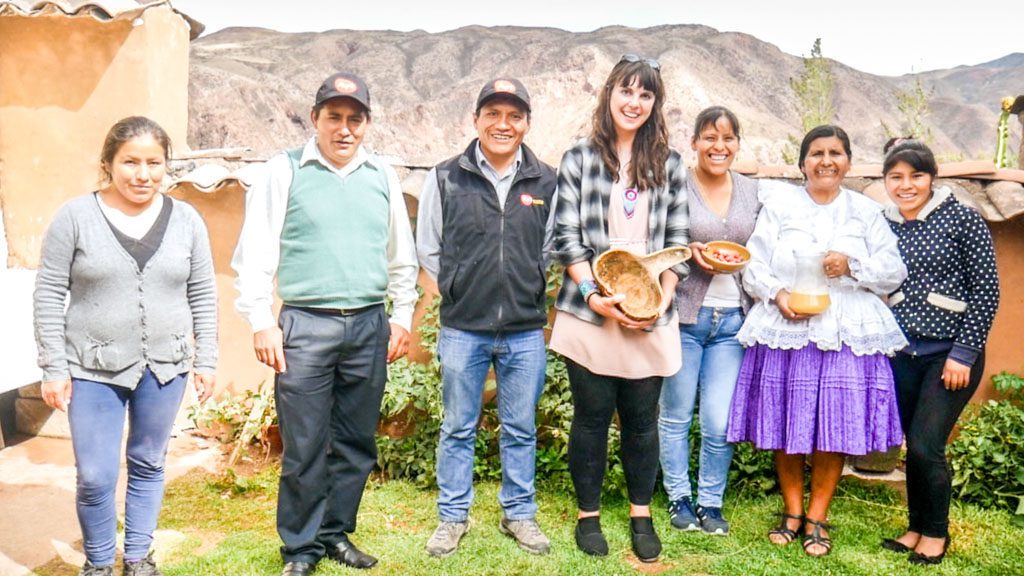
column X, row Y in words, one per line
column 621, row 272
column 721, row 265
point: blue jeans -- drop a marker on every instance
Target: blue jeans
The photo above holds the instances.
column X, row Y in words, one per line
column 711, row 363
column 96, row 415
column 519, row 360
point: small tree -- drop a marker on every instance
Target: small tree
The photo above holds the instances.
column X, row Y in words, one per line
column 913, row 107
column 813, row 91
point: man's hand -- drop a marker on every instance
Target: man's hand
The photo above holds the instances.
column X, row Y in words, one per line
column 269, row 346
column 57, row 394
column 398, row 345
column 204, row 385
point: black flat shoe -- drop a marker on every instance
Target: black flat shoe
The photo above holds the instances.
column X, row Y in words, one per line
column 298, row 569
column 893, row 545
column 646, row 544
column 589, row 537
column 922, row 559
column 345, row 552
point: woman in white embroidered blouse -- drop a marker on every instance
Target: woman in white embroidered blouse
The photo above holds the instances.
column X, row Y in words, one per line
column 818, row 384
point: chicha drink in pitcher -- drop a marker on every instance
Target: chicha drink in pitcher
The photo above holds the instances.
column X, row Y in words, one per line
column 810, row 287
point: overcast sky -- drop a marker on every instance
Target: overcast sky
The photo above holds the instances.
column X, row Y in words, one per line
column 886, row 37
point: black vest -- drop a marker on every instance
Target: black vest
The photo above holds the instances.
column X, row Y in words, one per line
column 492, row 275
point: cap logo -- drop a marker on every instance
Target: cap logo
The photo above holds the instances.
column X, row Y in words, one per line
column 504, row 86
column 345, row 86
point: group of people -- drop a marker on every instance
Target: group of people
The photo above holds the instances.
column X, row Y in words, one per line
column 126, row 308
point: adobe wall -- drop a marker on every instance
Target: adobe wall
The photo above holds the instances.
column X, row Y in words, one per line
column 1004, row 350
column 52, row 125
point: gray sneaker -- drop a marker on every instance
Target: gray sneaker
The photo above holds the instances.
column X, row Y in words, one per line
column 445, row 539
column 527, row 533
column 143, row 567
column 90, row 569
column 711, row 521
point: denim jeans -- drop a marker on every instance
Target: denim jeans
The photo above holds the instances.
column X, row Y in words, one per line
column 519, row 360
column 711, row 364
column 96, row 415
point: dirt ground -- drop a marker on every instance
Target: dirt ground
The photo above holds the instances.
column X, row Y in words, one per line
column 38, row 524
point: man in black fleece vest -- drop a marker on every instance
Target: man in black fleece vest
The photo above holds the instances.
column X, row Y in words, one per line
column 484, row 232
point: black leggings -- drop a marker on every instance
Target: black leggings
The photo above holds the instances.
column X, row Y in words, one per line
column 595, row 399
column 928, row 413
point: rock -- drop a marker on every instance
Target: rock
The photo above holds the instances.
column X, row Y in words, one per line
column 1007, row 197
column 35, row 418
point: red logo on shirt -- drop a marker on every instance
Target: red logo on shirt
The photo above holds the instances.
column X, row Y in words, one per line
column 526, row 199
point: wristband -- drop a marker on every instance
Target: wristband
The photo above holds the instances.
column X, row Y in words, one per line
column 588, row 288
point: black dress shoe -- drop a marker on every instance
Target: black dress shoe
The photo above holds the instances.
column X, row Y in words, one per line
column 298, row 569
column 646, row 544
column 346, row 553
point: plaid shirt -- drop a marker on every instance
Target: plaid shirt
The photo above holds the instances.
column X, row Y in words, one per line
column 581, row 227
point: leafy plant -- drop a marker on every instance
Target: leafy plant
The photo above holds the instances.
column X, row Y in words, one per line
column 913, row 107
column 813, row 91
column 415, row 390
column 987, row 457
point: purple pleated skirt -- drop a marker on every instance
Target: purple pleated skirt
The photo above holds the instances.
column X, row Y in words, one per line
column 804, row 400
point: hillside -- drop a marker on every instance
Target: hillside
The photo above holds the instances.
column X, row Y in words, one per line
column 254, row 87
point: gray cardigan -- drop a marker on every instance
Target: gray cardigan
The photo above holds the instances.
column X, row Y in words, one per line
column 706, row 226
column 119, row 320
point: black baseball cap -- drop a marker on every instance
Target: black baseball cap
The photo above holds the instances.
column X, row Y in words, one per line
column 509, row 87
column 344, row 85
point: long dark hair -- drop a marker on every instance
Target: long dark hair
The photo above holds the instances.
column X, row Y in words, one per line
column 128, row 129
column 650, row 147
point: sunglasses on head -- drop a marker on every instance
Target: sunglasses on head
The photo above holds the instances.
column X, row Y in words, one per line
column 637, row 58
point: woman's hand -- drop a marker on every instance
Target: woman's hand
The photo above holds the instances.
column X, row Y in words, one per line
column 782, row 301
column 607, row 307
column 204, row 385
column 836, row 264
column 57, row 394
column 697, row 255
column 955, row 375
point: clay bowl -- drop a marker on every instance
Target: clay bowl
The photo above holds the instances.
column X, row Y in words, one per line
column 721, row 265
column 621, row 272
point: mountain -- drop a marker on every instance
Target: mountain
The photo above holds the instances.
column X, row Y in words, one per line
column 253, row 88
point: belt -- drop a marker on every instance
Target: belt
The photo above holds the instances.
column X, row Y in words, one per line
column 336, row 311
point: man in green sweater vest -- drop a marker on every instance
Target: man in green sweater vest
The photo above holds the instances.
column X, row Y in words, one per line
column 328, row 222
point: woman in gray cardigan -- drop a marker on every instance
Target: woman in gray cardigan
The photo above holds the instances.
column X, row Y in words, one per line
column 723, row 206
column 135, row 270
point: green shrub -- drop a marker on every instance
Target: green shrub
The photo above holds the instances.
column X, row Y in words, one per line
column 414, row 456
column 987, row 457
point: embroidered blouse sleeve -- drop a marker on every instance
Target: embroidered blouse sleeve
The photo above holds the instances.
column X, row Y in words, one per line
column 882, row 270
column 758, row 278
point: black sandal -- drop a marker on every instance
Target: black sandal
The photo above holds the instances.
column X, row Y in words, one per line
column 783, row 529
column 815, row 537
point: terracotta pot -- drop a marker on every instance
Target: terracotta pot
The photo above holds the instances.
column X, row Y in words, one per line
column 270, row 437
column 400, row 425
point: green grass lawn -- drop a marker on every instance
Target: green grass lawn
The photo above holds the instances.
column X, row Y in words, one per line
column 230, row 529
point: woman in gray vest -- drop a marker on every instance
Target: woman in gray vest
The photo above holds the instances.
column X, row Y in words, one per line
column 711, row 305
column 134, row 269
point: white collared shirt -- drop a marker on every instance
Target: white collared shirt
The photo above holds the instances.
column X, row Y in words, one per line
column 258, row 251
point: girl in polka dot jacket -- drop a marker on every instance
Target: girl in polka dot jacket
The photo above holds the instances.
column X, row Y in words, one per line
column 945, row 307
